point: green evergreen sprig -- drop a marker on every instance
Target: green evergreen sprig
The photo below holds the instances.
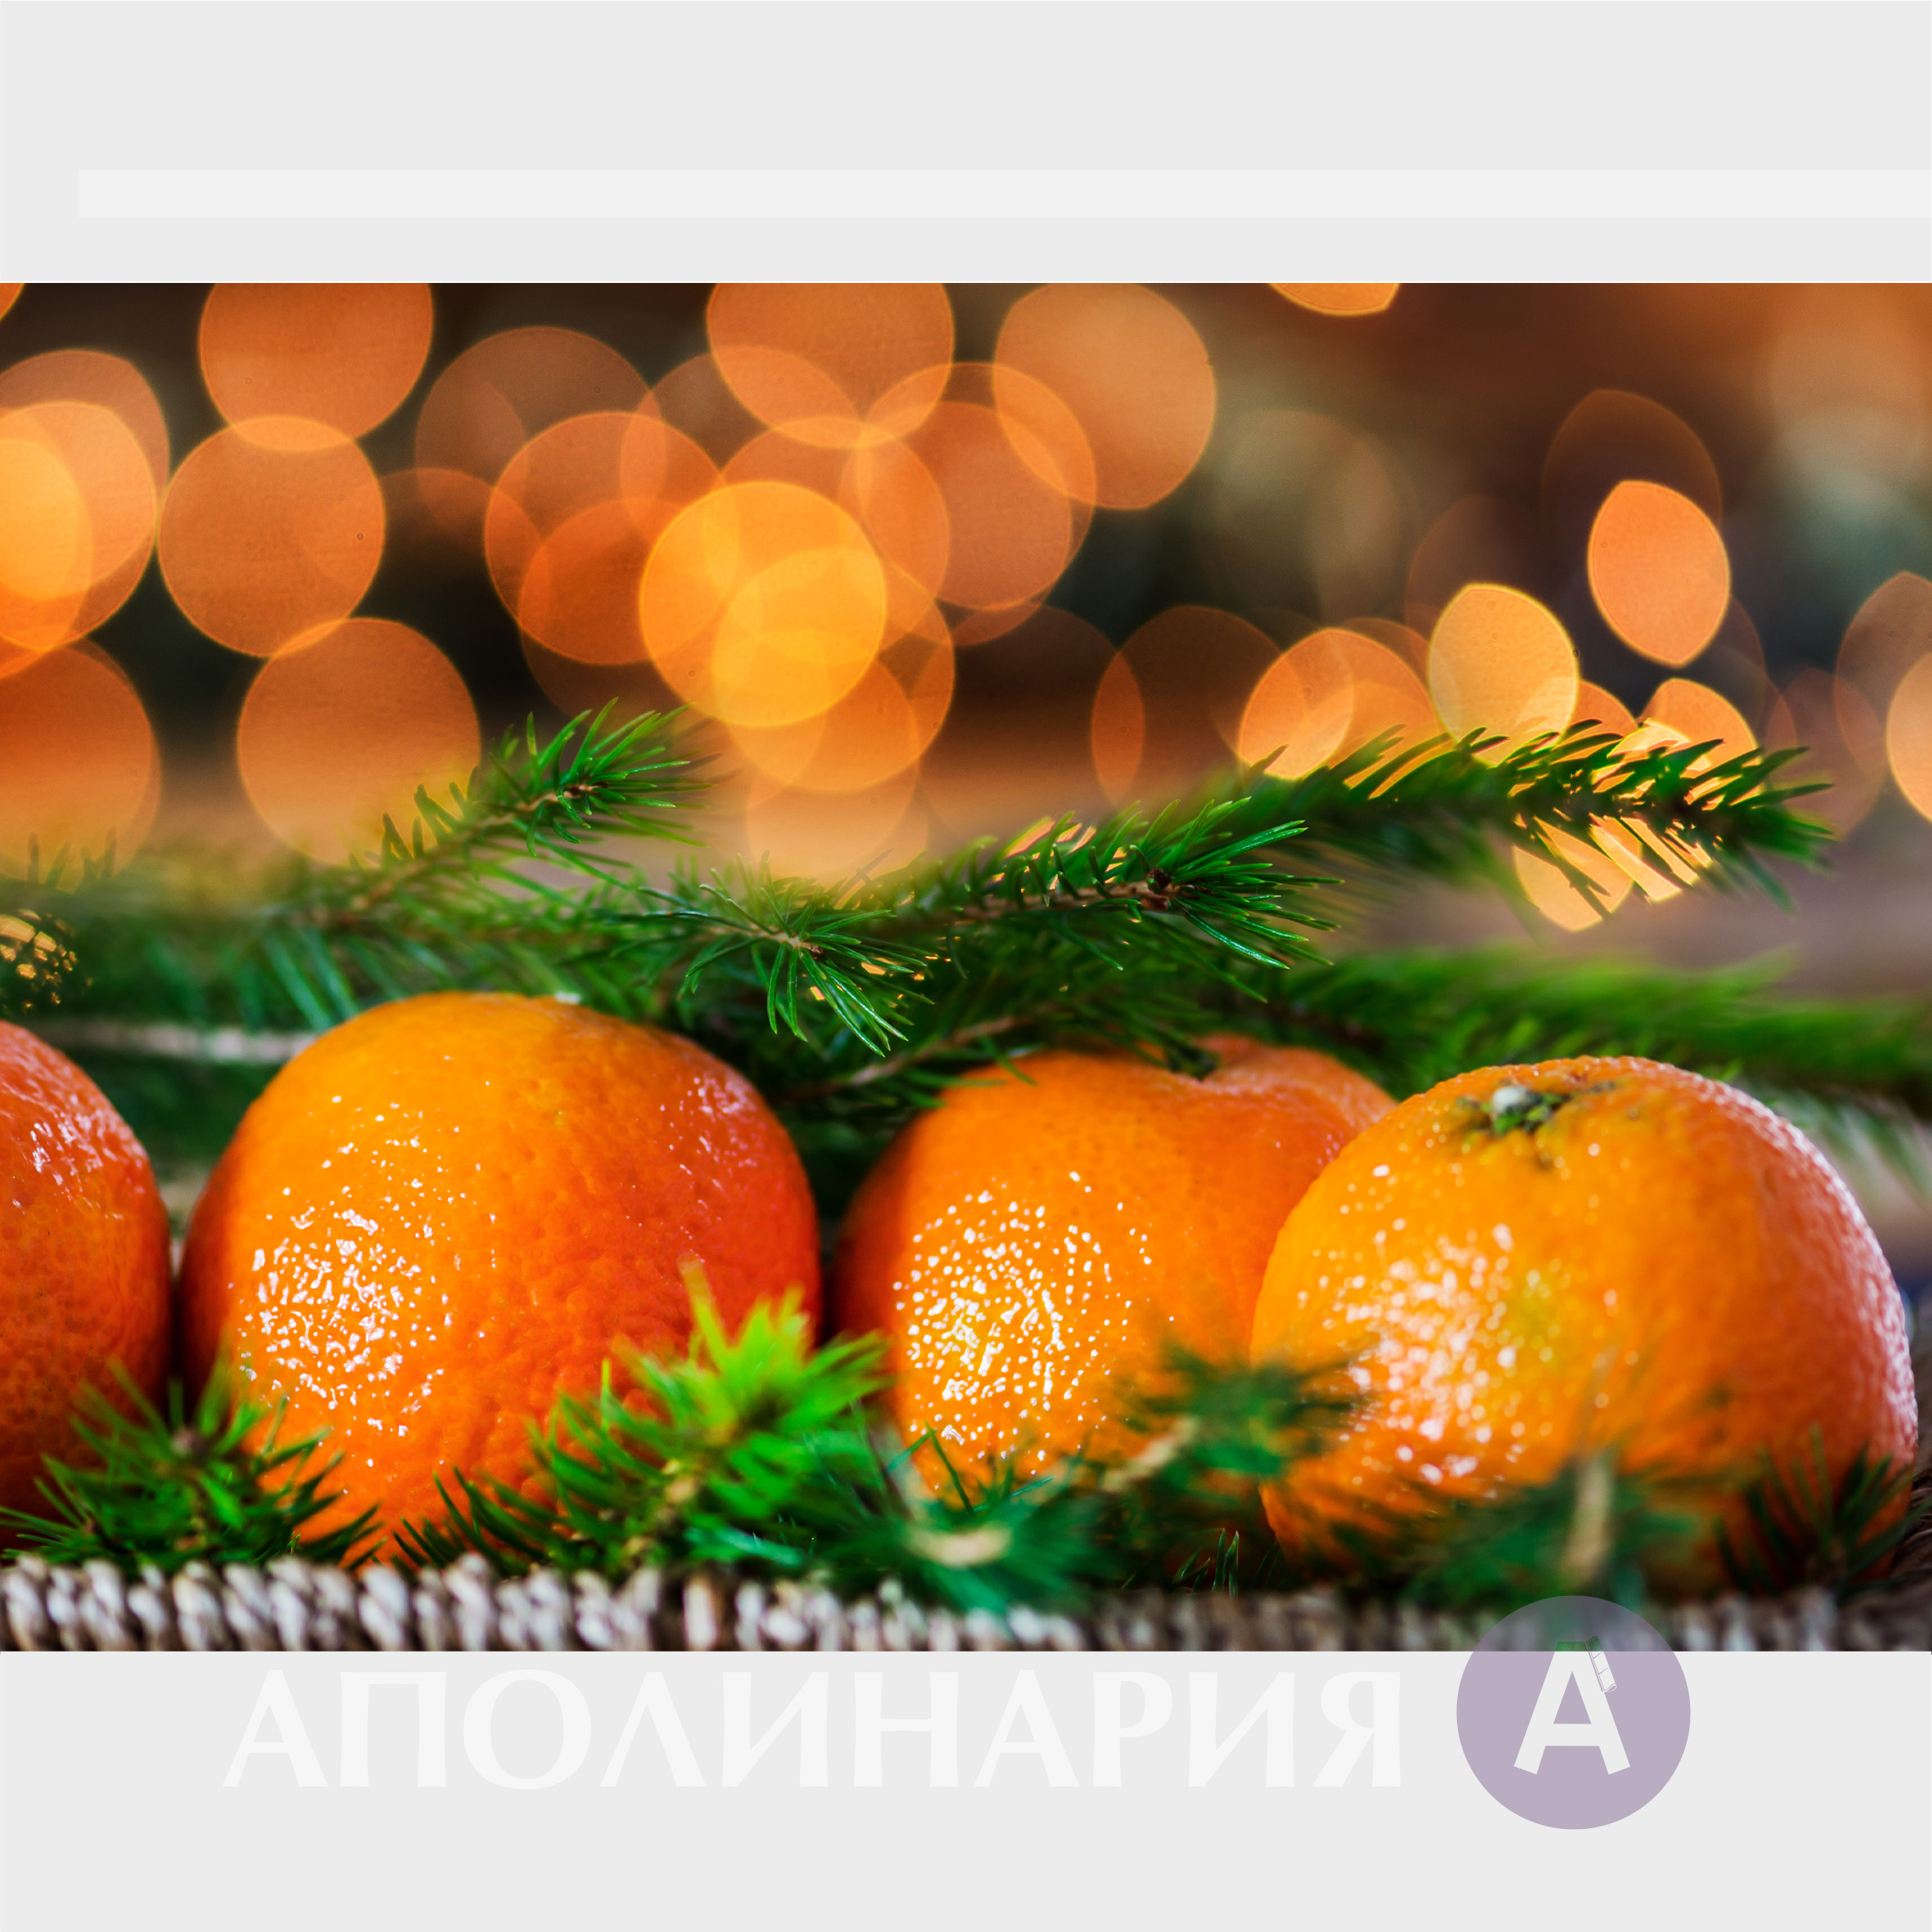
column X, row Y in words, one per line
column 164, row 1490
column 757, row 1452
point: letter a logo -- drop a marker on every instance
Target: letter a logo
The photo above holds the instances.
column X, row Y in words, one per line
column 1591, row 1674
column 1573, row 1712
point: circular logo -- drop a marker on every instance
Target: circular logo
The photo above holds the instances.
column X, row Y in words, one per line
column 1573, row 1712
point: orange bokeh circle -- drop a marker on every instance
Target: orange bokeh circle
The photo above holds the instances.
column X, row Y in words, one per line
column 343, row 353
column 341, row 729
column 1339, row 298
column 10, row 294
column 109, row 382
column 1693, row 714
column 1908, row 736
column 267, row 535
column 1131, row 369
column 498, row 396
column 1659, row 572
column 1015, row 484
column 1331, row 694
column 1501, row 664
column 763, row 603
column 1169, row 710
column 79, row 768
column 815, row 359
column 881, row 727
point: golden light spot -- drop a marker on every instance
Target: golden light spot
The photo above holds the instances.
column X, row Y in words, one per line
column 79, row 770
column 266, row 536
column 1009, row 482
column 47, row 548
column 1891, row 632
column 763, row 603
column 1604, row 708
column 1477, row 539
column 108, row 382
column 1133, row 370
column 1695, row 713
column 815, row 360
column 1614, row 436
column 10, row 294
column 832, row 836
column 345, row 354
column 340, row 730
column 1659, row 572
column 1332, row 693
column 1501, row 664
column 1339, row 298
column 696, row 399
column 1908, row 736
column 880, row 727
column 1560, row 901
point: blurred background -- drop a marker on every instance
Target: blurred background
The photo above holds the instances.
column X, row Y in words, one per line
column 932, row 562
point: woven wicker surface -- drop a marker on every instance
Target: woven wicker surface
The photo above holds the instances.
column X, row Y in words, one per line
column 291, row 1605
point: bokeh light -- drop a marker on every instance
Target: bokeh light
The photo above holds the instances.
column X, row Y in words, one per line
column 1659, row 572
column 496, row 397
column 1015, row 484
column 835, row 835
column 1133, row 370
column 345, row 354
column 79, row 768
column 1500, row 663
column 1814, row 711
column 763, row 604
column 1605, row 708
column 1616, row 436
column 1331, row 694
column 1169, row 710
column 10, row 294
column 575, row 687
column 879, row 729
column 816, row 359
column 47, row 552
column 1339, row 298
column 1552, row 893
column 1890, row 633
column 570, row 521
column 1908, row 736
column 341, row 730
column 266, row 536
column 108, row 382
column 1847, row 380
column 1477, row 539
column 696, row 398
column 1695, row 714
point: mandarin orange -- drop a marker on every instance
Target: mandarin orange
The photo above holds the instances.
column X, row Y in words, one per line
column 449, row 1210
column 1045, row 1230
column 84, row 1257
column 1528, row 1263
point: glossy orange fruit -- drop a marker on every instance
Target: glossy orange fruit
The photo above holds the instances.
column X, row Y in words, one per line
column 1043, row 1231
column 84, row 1257
column 452, row 1210
column 1528, row 1263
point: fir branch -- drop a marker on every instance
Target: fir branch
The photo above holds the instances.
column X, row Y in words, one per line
column 1805, row 1528
column 170, row 1489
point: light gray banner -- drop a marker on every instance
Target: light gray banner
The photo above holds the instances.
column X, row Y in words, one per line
column 854, row 1792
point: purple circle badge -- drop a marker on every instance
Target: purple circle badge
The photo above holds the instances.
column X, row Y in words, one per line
column 1573, row 1712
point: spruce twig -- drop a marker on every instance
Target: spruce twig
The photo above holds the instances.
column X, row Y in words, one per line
column 169, row 1489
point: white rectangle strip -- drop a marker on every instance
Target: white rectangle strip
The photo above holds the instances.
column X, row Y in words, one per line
column 1014, row 194
column 1066, row 1791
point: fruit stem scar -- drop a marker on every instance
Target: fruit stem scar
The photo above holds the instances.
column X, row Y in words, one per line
column 1512, row 1106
